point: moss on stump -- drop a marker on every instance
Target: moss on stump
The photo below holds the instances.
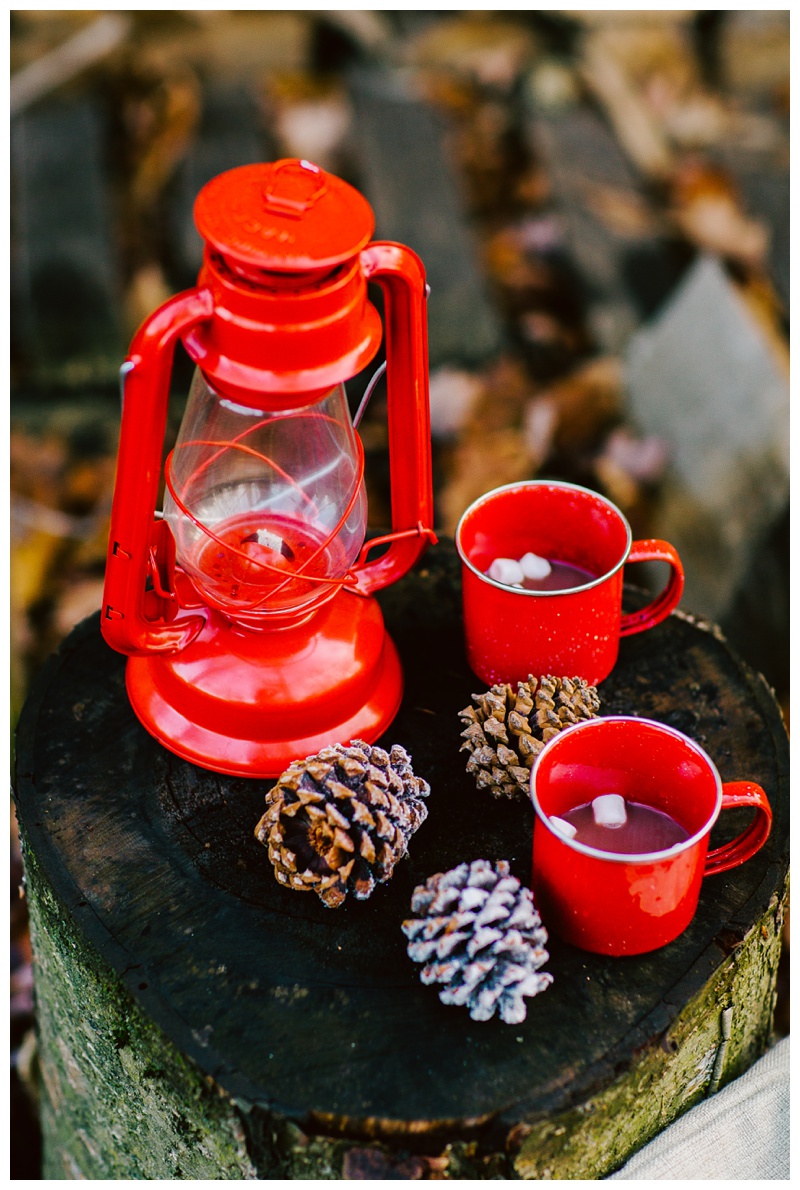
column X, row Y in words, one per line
column 119, row 1101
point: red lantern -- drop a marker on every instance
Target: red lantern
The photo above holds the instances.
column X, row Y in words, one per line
column 246, row 608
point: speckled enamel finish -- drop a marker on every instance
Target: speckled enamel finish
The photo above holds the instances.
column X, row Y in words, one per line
column 620, row 904
column 513, row 632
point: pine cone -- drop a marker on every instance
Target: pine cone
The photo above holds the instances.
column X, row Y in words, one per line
column 480, row 935
column 505, row 732
column 339, row 821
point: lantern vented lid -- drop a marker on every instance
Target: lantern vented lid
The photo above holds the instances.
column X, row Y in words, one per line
column 287, row 216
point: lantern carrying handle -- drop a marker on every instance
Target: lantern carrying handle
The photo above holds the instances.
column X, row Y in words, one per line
column 400, row 274
column 139, row 613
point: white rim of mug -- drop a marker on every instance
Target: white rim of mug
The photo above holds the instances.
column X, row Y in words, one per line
column 624, row 857
column 543, row 483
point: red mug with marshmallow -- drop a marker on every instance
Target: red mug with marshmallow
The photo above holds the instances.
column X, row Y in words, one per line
column 511, row 630
column 619, row 902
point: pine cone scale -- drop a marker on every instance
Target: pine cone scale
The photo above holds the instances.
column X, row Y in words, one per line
column 366, row 849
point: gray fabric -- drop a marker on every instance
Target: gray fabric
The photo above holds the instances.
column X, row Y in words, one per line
column 741, row 1132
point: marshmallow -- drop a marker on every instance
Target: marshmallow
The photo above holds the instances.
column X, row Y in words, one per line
column 506, row 571
column 534, row 567
column 609, row 810
column 564, row 828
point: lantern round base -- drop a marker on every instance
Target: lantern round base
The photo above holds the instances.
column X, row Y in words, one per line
column 249, row 703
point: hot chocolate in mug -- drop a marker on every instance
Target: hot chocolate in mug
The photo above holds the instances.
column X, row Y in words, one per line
column 570, row 622
column 622, row 875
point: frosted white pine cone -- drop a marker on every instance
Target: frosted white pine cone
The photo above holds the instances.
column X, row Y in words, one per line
column 479, row 934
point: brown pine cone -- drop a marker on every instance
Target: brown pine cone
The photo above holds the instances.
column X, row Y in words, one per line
column 505, row 732
column 339, row 821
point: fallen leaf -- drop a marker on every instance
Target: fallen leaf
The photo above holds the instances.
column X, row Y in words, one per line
column 586, row 403
column 480, row 464
column 705, row 206
column 493, row 51
column 624, row 212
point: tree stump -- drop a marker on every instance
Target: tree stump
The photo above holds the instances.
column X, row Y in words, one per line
column 198, row 1020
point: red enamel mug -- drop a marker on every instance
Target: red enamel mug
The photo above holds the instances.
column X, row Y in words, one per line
column 512, row 632
column 624, row 904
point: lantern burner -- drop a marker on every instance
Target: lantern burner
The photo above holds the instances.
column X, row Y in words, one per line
column 271, row 540
column 286, row 564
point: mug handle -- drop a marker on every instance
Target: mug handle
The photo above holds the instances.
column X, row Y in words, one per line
column 730, row 855
column 652, row 550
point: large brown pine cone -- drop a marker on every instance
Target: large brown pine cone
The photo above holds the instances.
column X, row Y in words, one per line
column 339, row 821
column 479, row 934
column 505, row 732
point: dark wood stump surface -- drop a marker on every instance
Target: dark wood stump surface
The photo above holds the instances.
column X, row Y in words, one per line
column 318, row 1014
